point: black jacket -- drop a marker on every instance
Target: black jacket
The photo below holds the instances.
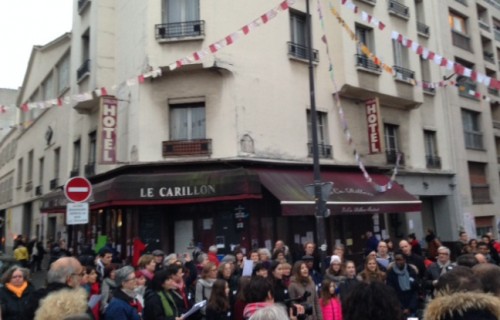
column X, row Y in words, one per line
column 11, row 305
column 153, row 307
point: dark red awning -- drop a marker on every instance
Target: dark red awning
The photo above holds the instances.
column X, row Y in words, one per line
column 351, row 193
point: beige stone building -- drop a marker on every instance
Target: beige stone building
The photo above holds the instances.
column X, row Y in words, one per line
column 218, row 151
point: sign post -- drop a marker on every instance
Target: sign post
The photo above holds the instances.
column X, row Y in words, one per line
column 78, row 191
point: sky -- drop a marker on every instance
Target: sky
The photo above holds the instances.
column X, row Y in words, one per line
column 23, row 24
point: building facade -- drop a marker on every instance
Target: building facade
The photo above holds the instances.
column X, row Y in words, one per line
column 217, row 150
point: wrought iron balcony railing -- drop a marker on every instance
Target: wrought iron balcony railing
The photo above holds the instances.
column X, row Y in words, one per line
column 89, row 169
column 366, row 63
column 460, row 40
column 74, row 173
column 186, row 147
column 392, row 157
column 399, row 9
column 423, row 29
column 467, row 89
column 473, row 140
column 489, row 56
column 301, row 52
column 483, row 25
column 433, row 162
column 403, row 73
column 38, row 190
column 324, row 150
column 83, row 70
column 54, row 183
column 178, row 30
column 480, row 194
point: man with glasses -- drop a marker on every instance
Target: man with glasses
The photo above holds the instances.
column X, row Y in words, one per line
column 124, row 305
column 442, row 265
column 64, row 273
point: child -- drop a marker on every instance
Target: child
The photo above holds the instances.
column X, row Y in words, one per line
column 329, row 301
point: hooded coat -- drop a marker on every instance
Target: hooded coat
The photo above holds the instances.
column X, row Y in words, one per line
column 464, row 306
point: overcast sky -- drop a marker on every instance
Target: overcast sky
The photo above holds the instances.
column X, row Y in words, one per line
column 23, row 24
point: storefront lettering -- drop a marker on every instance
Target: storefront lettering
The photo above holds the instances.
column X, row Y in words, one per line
column 173, row 192
column 368, row 209
column 351, row 191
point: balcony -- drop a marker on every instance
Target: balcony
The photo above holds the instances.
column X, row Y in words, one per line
column 301, row 52
column 473, row 140
column 324, row 150
column 399, row 9
column 83, row 71
column 461, row 40
column 489, row 56
column 370, row 2
column 82, row 4
column 483, row 25
column 423, row 29
column 89, row 169
column 464, row 2
column 365, row 63
column 497, row 33
column 433, row 162
column 493, row 3
column 493, row 92
column 74, row 173
column 38, row 190
column 392, row 156
column 496, row 124
column 173, row 148
column 403, row 74
column 29, row 186
column 180, row 30
column 465, row 88
column 480, row 194
column 428, row 87
column 54, row 183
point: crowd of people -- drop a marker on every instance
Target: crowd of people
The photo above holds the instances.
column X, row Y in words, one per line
column 431, row 283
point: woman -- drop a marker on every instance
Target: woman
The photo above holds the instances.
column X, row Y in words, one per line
column 402, row 277
column 371, row 272
column 226, row 272
column 473, row 246
column 93, row 289
column 140, row 290
column 15, row 292
column 329, row 301
column 276, row 277
column 159, row 304
column 302, row 282
column 350, row 280
column 124, row 305
column 218, row 307
column 335, row 272
column 205, row 283
column 286, row 270
column 108, row 286
column 147, row 265
column 240, row 301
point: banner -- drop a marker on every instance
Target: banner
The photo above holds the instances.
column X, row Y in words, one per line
column 107, row 130
column 374, row 123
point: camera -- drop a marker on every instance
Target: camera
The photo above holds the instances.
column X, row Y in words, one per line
column 308, row 309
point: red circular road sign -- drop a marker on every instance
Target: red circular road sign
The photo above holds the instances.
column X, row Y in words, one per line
column 78, row 189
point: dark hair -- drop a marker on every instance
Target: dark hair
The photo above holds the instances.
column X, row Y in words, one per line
column 486, row 236
column 412, row 236
column 242, row 286
column 258, row 289
column 298, row 275
column 259, row 266
column 276, row 253
column 467, row 260
column 459, row 279
column 174, row 268
column 374, row 301
column 489, row 275
column 159, row 279
column 109, row 269
column 325, row 294
column 219, row 300
column 104, row 251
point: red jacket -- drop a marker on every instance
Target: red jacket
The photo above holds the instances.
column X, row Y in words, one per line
column 212, row 257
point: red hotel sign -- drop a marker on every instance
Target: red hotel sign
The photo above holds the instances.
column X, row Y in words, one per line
column 107, row 128
column 374, row 125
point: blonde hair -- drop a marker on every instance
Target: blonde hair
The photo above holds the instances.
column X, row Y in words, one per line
column 144, row 260
column 62, row 304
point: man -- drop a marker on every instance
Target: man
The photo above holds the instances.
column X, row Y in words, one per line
column 462, row 242
column 437, row 269
column 484, row 249
column 159, row 256
column 103, row 260
column 412, row 258
column 310, row 250
column 491, row 245
column 280, row 245
column 371, row 242
column 64, row 273
column 383, row 257
column 315, row 275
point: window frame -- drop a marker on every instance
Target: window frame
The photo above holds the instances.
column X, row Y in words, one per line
column 191, row 133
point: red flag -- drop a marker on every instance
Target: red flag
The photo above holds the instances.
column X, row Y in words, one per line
column 381, row 25
column 444, row 62
column 264, row 18
column 284, row 5
column 229, row 40
column 141, row 78
column 59, row 102
column 400, row 38
column 459, row 69
column 178, row 63
column 246, row 29
column 25, row 107
column 473, row 75
column 420, row 50
column 344, row 1
column 2, row 109
column 408, row 43
column 213, row 48
column 104, row 92
column 431, row 55
column 196, row 56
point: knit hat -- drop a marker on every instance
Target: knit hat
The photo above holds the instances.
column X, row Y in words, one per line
column 335, row 259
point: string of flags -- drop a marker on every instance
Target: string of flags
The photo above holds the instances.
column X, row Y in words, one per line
column 342, row 117
column 430, row 55
column 154, row 72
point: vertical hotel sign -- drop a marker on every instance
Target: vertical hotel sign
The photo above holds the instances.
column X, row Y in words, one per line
column 374, row 123
column 107, row 130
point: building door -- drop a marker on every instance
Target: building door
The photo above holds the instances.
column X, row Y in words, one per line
column 226, row 236
column 27, row 219
column 183, row 236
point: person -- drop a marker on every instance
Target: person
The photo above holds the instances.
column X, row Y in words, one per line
column 373, row 301
column 212, row 255
column 271, row 312
column 279, row 287
column 371, row 271
column 64, row 273
column 416, row 248
column 138, row 248
column 463, row 306
column 433, row 244
column 21, row 254
column 159, row 257
column 104, row 259
column 371, row 243
column 64, row 304
column 403, row 278
column 226, row 272
column 316, row 276
column 87, row 256
column 260, row 269
column 473, row 245
column 484, row 249
column 467, row 260
column 147, row 265
column 457, row 280
column 302, row 283
column 412, row 258
column 310, row 250
column 240, row 300
column 140, row 289
column 108, row 286
column 495, row 258
column 264, row 256
column 218, row 306
column 159, row 303
column 15, row 292
column 286, row 270
column 183, row 298
column 124, row 305
column 204, row 284
column 349, row 281
column 463, row 240
column 489, row 275
column 438, row 268
column 335, row 272
column 383, row 257
column 281, row 246
column 37, row 256
column 331, row 308
column 93, row 288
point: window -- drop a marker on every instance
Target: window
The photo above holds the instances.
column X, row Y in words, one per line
column 48, row 88
column 76, row 156
column 365, row 35
column 57, row 162
column 391, row 137
column 401, row 62
column 92, row 148
column 458, row 23
column 298, row 45
column 182, row 18
column 324, row 147
column 431, row 151
column 472, row 130
column 63, row 74
column 30, row 165
column 480, row 189
column 20, row 172
column 41, row 170
column 187, row 121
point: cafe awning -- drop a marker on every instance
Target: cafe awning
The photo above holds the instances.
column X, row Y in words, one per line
column 167, row 188
column 351, row 193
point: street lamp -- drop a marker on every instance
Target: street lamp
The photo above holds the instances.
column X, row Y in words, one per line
column 320, row 206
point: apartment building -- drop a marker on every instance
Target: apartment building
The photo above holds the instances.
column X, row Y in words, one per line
column 217, row 149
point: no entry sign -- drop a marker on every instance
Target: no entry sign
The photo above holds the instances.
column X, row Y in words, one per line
column 78, row 189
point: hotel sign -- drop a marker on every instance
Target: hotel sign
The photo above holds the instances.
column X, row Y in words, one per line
column 374, row 123
column 107, row 130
